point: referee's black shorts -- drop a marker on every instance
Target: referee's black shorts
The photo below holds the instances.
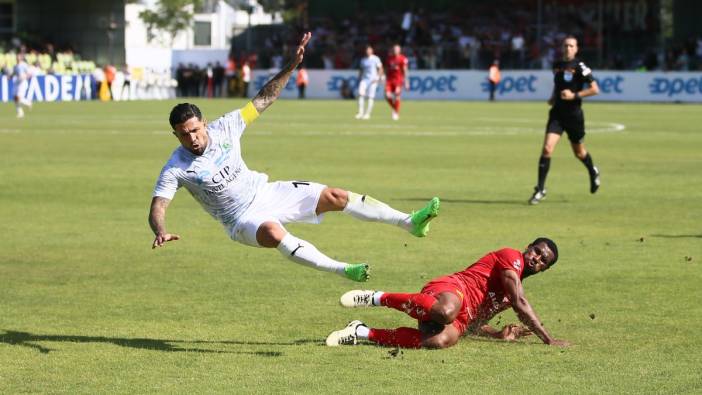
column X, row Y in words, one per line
column 571, row 121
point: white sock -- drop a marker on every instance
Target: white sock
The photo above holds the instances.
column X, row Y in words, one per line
column 376, row 297
column 366, row 208
column 300, row 251
column 370, row 106
column 362, row 332
column 360, row 105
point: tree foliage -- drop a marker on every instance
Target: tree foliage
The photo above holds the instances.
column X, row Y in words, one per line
column 171, row 16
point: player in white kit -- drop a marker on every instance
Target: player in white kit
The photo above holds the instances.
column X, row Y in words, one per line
column 20, row 77
column 252, row 210
column 369, row 74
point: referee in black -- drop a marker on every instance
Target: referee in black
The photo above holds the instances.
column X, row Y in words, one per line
column 570, row 76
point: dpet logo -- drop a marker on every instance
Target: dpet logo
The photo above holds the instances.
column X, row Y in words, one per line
column 422, row 85
column 676, row 86
column 522, row 84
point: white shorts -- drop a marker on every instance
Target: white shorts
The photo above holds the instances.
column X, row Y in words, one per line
column 367, row 88
column 281, row 202
column 21, row 89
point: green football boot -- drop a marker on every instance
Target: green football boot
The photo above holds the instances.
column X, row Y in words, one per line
column 420, row 219
column 359, row 272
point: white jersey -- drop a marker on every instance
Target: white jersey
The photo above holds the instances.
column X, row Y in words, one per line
column 21, row 71
column 369, row 67
column 218, row 179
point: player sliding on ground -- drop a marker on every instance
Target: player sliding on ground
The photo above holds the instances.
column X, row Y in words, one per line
column 464, row 302
column 209, row 165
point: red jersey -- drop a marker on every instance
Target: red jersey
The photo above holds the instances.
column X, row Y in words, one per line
column 482, row 285
column 395, row 68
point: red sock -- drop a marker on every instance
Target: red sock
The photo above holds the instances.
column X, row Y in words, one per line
column 401, row 337
column 415, row 305
column 397, row 105
column 391, row 101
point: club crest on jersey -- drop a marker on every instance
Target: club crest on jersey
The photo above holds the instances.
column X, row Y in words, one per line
column 517, row 264
column 568, row 76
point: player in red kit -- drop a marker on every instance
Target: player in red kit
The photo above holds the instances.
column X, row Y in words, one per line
column 463, row 302
column 396, row 68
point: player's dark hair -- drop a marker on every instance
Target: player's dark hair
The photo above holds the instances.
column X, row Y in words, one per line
column 570, row 36
column 551, row 245
column 182, row 112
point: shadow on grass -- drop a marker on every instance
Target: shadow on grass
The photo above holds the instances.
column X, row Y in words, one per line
column 26, row 339
column 514, row 202
column 679, row 236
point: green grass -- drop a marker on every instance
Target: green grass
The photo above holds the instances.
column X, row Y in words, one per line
column 86, row 305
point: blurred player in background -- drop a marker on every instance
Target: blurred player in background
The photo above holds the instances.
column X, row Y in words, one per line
column 302, row 80
column 463, row 302
column 208, row 163
column 369, row 73
column 494, row 77
column 397, row 78
column 569, row 77
column 21, row 75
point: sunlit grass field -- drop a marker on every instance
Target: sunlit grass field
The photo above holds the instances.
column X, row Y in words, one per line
column 86, row 305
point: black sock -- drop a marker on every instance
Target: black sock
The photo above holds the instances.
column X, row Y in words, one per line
column 544, row 165
column 587, row 161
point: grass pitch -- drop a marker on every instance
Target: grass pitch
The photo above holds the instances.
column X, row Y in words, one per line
column 87, row 306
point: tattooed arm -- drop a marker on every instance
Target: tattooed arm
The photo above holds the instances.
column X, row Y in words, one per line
column 270, row 92
column 157, row 221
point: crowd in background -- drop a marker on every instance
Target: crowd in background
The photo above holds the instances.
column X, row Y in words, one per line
column 474, row 37
column 215, row 79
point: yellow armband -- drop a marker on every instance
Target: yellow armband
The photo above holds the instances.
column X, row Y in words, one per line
column 249, row 113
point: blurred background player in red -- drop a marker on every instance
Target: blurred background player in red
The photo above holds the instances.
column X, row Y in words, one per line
column 396, row 66
column 464, row 302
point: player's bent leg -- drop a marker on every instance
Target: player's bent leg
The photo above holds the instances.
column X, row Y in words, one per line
column 332, row 199
column 270, row 234
column 304, row 253
column 448, row 337
column 416, row 305
column 446, row 308
column 366, row 208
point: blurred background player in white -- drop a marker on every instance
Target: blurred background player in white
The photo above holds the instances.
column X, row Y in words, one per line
column 369, row 73
column 21, row 75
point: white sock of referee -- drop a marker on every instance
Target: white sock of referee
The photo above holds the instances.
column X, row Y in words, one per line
column 366, row 208
column 302, row 252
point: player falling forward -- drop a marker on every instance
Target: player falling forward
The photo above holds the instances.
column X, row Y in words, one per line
column 21, row 77
column 369, row 73
column 464, row 302
column 397, row 77
column 209, row 165
column 569, row 76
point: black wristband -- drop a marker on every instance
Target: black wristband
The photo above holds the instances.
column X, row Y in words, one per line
column 577, row 96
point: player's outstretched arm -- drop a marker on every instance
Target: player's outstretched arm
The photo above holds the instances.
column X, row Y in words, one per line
column 157, row 221
column 271, row 91
column 521, row 306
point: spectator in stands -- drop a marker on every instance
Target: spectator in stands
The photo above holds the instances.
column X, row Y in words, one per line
column 218, row 79
column 245, row 78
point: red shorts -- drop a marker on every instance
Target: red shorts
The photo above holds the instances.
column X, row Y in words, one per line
column 394, row 86
column 454, row 286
